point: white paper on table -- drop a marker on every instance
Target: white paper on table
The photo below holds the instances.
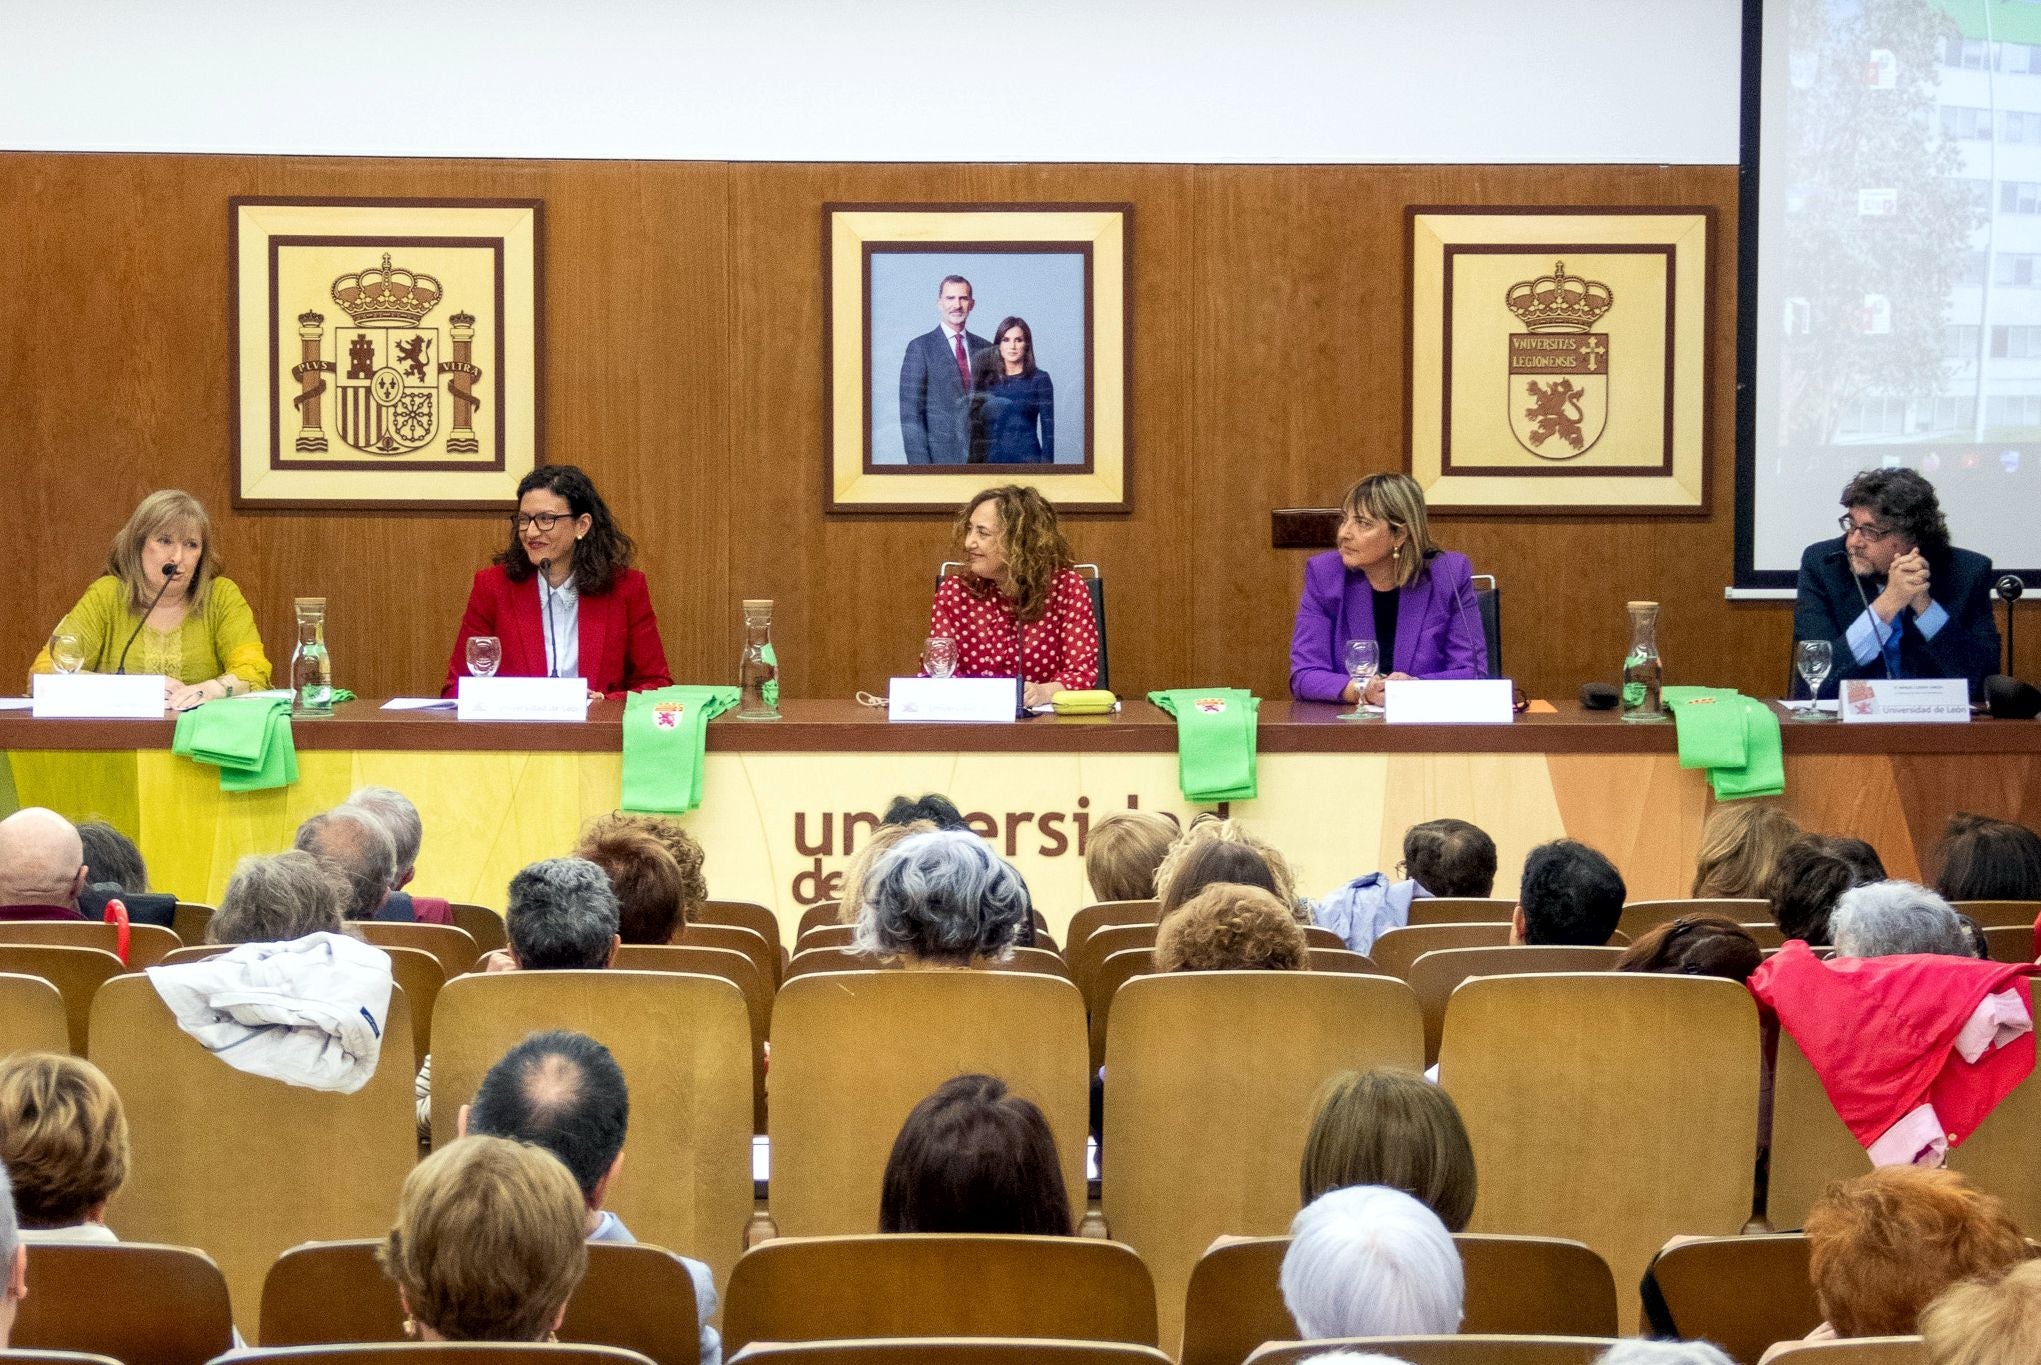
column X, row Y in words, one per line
column 420, row 704
column 16, row 703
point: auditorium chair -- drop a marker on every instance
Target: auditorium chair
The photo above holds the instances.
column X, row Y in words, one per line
column 1101, row 913
column 954, row 1351
column 1860, row 1351
column 483, row 924
column 2010, row 942
column 164, row 1305
column 1437, row 974
column 1102, row 943
column 1343, row 960
column 939, row 1285
column 189, row 921
column 147, row 943
column 684, row 1044
column 1461, row 910
column 32, row 1017
column 731, row 966
column 825, row 936
column 749, row 942
column 1456, row 1350
column 1094, row 584
column 809, row 961
column 76, row 972
column 821, row 912
column 1641, row 915
column 441, row 1353
column 455, row 948
column 1488, row 602
column 635, row 1297
column 417, row 971
column 1742, row 1293
column 1107, row 978
column 2002, row 914
column 1514, row 1285
column 744, row 915
column 1768, row 934
column 1617, row 1108
column 24, row 1356
column 1398, row 950
column 853, row 1052
column 1812, row 1146
column 323, row 1163
column 1210, row 1079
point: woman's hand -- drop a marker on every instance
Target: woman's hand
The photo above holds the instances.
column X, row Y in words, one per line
column 1038, row 694
column 178, row 697
column 1375, row 689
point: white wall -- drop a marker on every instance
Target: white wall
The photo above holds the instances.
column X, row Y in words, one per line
column 1447, row 81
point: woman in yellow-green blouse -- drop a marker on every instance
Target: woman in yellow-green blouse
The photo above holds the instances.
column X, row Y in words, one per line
column 200, row 635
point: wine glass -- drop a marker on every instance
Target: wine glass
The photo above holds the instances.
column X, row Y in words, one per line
column 1363, row 660
column 485, row 652
column 1813, row 659
column 67, row 652
column 939, row 656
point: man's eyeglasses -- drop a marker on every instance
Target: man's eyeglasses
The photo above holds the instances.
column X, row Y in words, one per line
column 545, row 521
column 1869, row 530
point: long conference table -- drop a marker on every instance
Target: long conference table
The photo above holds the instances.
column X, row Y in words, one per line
column 784, row 802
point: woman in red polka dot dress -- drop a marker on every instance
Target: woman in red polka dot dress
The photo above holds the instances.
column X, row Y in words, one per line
column 1018, row 589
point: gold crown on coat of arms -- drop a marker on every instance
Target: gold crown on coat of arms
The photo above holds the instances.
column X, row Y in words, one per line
column 388, row 294
column 1559, row 301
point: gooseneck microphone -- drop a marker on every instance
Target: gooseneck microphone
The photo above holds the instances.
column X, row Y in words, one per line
column 2010, row 587
column 169, row 577
column 546, row 596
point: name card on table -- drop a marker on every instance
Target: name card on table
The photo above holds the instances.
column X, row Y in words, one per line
column 980, row 699
column 1466, row 701
column 99, row 696
column 522, row 699
column 1883, row 700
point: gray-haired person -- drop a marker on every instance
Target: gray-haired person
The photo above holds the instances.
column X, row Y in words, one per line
column 1885, row 919
column 354, row 844
column 400, row 818
column 1637, row 1351
column 277, row 899
column 943, row 898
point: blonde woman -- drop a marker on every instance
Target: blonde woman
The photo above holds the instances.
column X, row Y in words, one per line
column 1740, row 845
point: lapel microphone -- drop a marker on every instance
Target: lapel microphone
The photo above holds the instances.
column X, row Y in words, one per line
column 169, row 577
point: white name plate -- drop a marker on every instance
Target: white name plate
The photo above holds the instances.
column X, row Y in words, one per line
column 1941, row 701
column 522, row 699
column 99, row 696
column 1463, row 701
column 980, row 699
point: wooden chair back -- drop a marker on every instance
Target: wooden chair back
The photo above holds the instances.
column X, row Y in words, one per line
column 134, row 1301
column 2010, row 942
column 1573, row 1087
column 935, row 1285
column 684, row 1044
column 483, row 924
column 637, row 1297
column 1101, row 913
column 24, row 1356
column 441, row 1353
column 1398, row 950
column 197, row 952
column 733, row 967
column 954, row 1351
column 1318, row 936
column 1767, row 934
column 1107, row 978
column 32, row 1017
column 2002, row 914
column 808, row 962
column 455, row 947
column 749, row 942
column 188, row 921
column 745, row 915
column 821, row 912
column 836, row 1108
column 1437, row 974
column 1344, row 960
column 1860, row 1351
column 77, row 973
column 826, row 936
column 147, row 943
column 1641, row 915
column 347, row 1154
column 1235, row 1058
column 1100, row 944
column 1742, row 1293
column 1462, row 910
column 1464, row 1349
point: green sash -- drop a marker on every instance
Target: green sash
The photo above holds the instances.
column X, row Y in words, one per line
column 247, row 738
column 1736, row 738
column 1215, row 729
column 664, row 731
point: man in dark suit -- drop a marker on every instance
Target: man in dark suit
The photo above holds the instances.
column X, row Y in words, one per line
column 935, row 382
column 1893, row 597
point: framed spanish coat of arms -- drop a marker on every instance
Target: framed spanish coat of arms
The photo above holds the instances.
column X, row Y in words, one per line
column 387, row 352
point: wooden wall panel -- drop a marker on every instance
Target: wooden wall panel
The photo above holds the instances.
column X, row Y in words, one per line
column 684, row 354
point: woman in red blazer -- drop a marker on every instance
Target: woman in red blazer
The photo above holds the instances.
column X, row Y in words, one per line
column 567, row 568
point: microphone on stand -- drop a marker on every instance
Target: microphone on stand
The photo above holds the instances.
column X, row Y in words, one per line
column 2009, row 588
column 546, row 596
column 169, row 577
column 1020, row 669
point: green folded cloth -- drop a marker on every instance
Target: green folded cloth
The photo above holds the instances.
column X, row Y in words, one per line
column 1736, row 738
column 247, row 738
column 1215, row 731
column 664, row 731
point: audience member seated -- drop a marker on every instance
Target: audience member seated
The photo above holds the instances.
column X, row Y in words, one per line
column 565, row 1092
column 399, row 819
column 974, row 1158
column 114, row 870
column 1227, row 928
column 1123, row 852
column 1569, row 895
column 1989, row 860
column 644, row 876
column 42, row 866
column 1888, row 919
column 1637, row 1351
column 686, row 854
column 489, row 1243
column 64, row 1137
column 279, row 898
column 1367, row 1261
column 1210, row 828
column 354, row 844
column 1695, row 945
column 1212, row 863
column 1391, row 1128
column 1443, row 858
column 1740, row 845
column 1883, row 1245
column 943, row 899
column 933, row 807
column 857, row 873
column 1987, row 1322
column 13, row 1261
column 1810, row 877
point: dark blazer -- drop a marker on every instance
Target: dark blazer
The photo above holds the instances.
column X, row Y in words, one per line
column 1966, row 646
column 935, row 407
column 618, row 635
column 1438, row 625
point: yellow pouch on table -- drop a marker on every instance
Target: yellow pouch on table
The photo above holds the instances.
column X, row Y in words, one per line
column 1096, row 702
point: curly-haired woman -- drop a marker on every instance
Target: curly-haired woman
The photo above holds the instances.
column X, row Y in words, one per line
column 1019, row 597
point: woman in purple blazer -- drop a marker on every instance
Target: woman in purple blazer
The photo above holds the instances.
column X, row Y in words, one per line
column 1385, row 582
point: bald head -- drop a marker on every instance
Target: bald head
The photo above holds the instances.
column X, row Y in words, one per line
column 42, row 860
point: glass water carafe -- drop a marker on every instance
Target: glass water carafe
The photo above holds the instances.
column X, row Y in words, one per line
column 1643, row 670
column 311, row 666
column 758, row 668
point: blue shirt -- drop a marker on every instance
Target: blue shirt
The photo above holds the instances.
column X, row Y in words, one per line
column 560, row 618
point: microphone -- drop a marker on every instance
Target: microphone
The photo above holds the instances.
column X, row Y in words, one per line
column 1020, row 670
column 169, row 577
column 546, row 597
column 2009, row 589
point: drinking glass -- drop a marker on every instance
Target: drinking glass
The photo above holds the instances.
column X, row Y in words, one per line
column 1363, row 661
column 1814, row 659
column 67, row 652
column 485, row 652
column 939, row 656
